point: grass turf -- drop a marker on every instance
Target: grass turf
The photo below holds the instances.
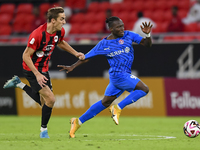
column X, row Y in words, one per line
column 145, row 133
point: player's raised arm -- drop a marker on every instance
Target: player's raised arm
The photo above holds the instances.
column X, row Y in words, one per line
column 72, row 67
column 146, row 28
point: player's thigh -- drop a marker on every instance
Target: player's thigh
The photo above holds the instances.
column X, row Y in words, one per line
column 112, row 90
column 42, row 100
column 142, row 86
column 47, row 94
column 129, row 83
column 107, row 100
column 33, row 81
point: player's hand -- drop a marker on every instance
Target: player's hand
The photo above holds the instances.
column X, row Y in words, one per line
column 41, row 79
column 68, row 68
column 81, row 56
column 146, row 28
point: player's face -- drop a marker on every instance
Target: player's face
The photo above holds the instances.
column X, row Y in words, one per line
column 60, row 21
column 118, row 28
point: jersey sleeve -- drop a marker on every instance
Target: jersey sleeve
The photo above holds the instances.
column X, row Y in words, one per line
column 97, row 50
column 135, row 37
column 34, row 40
column 62, row 34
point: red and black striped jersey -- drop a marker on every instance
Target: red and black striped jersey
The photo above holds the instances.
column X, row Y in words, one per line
column 43, row 43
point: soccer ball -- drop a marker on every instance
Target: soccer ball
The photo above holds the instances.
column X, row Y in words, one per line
column 191, row 128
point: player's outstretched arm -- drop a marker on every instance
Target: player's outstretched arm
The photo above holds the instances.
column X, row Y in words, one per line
column 72, row 67
column 65, row 46
column 146, row 28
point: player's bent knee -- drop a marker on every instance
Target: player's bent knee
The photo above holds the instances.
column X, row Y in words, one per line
column 107, row 100
column 52, row 100
column 146, row 89
column 106, row 103
column 49, row 99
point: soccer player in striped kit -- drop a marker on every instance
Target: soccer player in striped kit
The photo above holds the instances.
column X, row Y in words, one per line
column 118, row 49
column 36, row 56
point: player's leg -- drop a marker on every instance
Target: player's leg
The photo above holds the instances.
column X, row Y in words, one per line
column 97, row 108
column 90, row 113
column 15, row 82
column 94, row 109
column 42, row 101
column 46, row 96
column 33, row 94
column 137, row 90
column 114, row 109
column 35, row 87
column 33, row 91
column 49, row 100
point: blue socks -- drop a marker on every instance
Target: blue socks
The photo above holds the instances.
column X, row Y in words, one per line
column 98, row 107
column 131, row 98
column 92, row 111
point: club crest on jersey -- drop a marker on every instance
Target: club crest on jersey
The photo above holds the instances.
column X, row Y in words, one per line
column 56, row 38
column 121, row 41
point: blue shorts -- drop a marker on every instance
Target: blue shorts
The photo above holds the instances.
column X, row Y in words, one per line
column 119, row 84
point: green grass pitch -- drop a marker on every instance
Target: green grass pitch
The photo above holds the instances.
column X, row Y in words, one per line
column 99, row 133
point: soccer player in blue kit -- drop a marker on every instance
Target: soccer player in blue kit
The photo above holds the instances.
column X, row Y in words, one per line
column 118, row 49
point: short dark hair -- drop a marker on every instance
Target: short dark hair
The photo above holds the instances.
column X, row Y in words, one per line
column 140, row 14
column 53, row 13
column 110, row 20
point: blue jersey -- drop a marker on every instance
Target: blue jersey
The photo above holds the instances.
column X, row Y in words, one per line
column 119, row 52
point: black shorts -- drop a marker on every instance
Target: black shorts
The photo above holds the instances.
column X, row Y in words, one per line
column 33, row 81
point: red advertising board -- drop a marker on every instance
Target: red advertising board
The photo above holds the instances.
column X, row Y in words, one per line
column 182, row 97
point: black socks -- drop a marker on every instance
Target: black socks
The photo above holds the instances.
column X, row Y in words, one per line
column 46, row 111
column 46, row 114
column 34, row 95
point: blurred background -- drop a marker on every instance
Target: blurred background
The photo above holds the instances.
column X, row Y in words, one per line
column 173, row 60
column 174, row 20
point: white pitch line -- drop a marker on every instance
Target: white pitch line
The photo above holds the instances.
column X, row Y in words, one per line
column 149, row 137
column 145, row 137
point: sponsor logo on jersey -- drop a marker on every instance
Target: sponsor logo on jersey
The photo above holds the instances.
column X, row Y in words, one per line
column 48, row 47
column 32, row 41
column 121, row 41
column 46, row 51
column 56, row 38
column 40, row 53
column 126, row 50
